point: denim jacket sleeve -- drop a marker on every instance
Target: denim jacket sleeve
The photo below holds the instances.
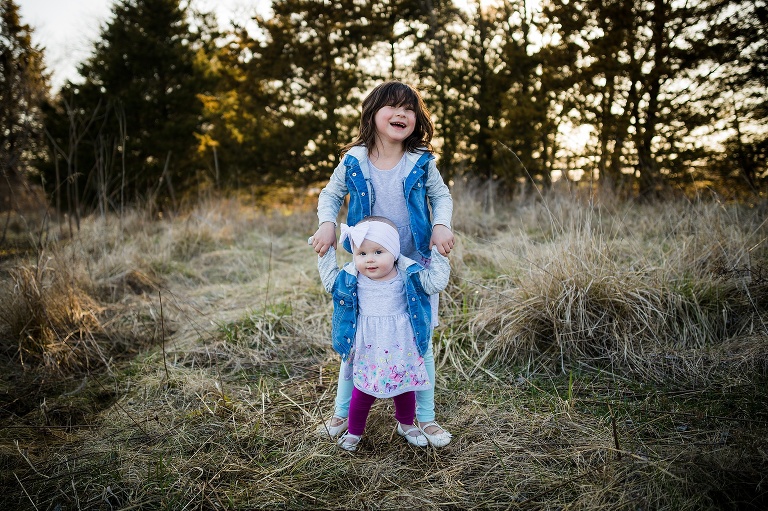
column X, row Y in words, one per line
column 435, row 279
column 332, row 196
column 328, row 269
column 439, row 197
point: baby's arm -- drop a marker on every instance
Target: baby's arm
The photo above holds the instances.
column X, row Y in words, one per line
column 435, row 279
column 328, row 269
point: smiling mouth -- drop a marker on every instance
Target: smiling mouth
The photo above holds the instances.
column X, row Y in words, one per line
column 397, row 124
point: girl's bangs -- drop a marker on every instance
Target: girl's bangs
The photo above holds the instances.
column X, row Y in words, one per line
column 400, row 96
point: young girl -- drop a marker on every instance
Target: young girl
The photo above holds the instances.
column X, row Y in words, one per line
column 389, row 170
column 382, row 323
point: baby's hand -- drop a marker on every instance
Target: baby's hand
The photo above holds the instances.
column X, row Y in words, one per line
column 324, row 238
column 442, row 238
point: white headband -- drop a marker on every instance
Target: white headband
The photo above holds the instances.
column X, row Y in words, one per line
column 378, row 232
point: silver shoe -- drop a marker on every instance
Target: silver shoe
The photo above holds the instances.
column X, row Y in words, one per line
column 334, row 431
column 348, row 441
column 438, row 439
column 418, row 440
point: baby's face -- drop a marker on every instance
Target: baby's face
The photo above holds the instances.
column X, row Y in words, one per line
column 374, row 261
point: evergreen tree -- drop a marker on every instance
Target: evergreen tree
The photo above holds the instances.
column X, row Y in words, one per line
column 310, row 66
column 598, row 53
column 641, row 74
column 241, row 122
column 440, row 70
column 23, row 89
column 526, row 131
column 736, row 36
column 127, row 133
column 504, row 115
column 485, row 59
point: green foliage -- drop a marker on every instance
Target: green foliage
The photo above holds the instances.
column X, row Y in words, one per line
column 126, row 134
column 311, row 62
column 258, row 327
column 23, row 89
column 641, row 75
column 171, row 104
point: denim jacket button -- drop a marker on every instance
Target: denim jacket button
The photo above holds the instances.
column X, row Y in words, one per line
column 354, row 174
column 341, row 302
column 363, row 194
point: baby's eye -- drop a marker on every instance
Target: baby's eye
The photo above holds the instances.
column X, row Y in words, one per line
column 379, row 252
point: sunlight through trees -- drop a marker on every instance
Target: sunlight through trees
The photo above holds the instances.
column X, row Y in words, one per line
column 643, row 97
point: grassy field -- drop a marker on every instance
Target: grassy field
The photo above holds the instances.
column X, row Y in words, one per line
column 592, row 355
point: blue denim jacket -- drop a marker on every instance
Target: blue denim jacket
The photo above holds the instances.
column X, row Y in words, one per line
column 419, row 284
column 423, row 189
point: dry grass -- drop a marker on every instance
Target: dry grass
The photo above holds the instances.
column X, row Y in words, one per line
column 590, row 356
column 49, row 320
column 656, row 300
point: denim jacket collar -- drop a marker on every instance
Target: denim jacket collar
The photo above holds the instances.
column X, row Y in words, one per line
column 360, row 153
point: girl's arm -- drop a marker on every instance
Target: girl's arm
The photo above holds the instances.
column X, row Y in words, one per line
column 324, row 238
column 331, row 197
column 328, row 269
column 442, row 210
column 439, row 197
column 442, row 239
column 435, row 279
column 328, row 206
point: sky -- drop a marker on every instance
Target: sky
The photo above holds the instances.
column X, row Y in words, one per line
column 67, row 29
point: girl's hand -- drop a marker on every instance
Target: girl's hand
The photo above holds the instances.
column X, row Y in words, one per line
column 324, row 238
column 442, row 238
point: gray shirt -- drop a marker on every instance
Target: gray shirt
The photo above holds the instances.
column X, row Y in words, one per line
column 389, row 202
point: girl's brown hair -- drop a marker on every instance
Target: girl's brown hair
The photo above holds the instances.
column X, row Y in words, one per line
column 394, row 93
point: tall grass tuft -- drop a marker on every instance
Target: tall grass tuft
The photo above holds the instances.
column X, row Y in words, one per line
column 623, row 292
column 50, row 319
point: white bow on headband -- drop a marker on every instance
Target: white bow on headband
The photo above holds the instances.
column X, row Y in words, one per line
column 378, row 232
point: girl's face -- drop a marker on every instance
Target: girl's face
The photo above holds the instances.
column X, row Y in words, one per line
column 394, row 124
column 374, row 261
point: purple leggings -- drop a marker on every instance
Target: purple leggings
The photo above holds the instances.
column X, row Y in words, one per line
column 405, row 409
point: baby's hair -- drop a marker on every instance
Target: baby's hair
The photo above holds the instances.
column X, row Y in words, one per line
column 394, row 93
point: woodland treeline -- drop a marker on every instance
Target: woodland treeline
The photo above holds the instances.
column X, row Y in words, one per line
column 643, row 96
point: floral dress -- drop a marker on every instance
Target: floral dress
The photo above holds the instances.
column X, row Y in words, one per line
column 386, row 361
